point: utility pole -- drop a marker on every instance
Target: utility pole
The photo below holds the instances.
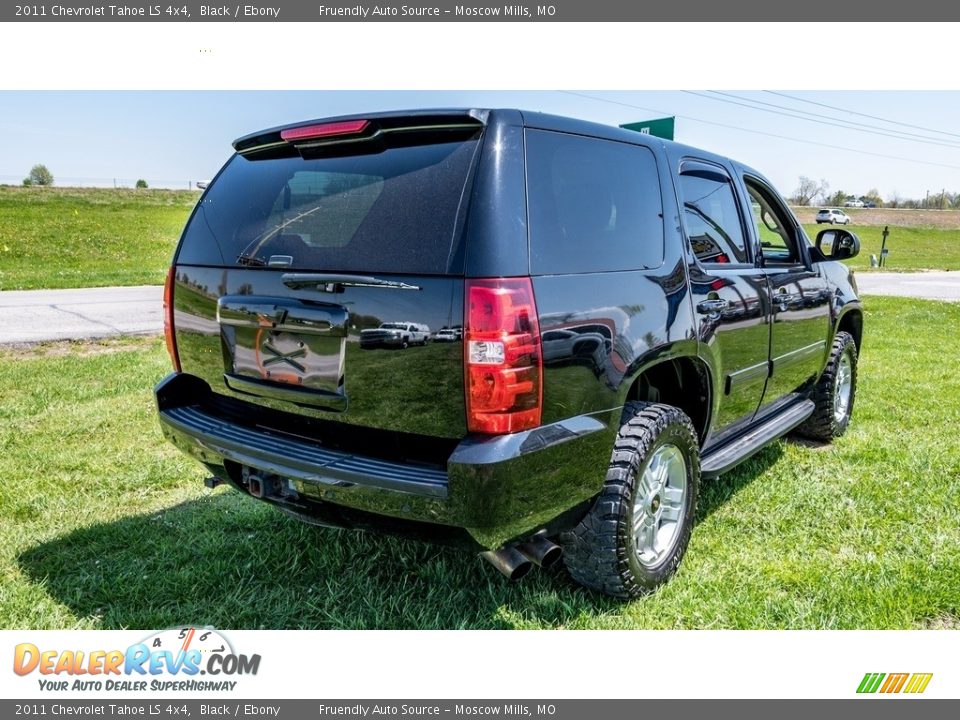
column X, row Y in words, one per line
column 883, row 246
column 942, row 193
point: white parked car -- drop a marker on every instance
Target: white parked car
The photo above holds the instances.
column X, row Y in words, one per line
column 832, row 215
column 396, row 334
column 448, row 335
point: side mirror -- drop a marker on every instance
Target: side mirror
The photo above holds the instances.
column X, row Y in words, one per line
column 837, row 244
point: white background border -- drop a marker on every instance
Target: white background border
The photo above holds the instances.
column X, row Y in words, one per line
column 540, row 664
column 490, row 56
column 621, row 56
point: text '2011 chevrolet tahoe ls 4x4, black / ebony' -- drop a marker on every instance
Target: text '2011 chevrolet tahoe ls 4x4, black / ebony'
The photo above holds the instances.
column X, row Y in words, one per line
column 636, row 315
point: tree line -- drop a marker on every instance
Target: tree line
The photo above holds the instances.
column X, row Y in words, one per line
column 40, row 176
column 813, row 192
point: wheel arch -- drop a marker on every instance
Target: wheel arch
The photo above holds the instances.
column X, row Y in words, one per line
column 851, row 321
column 683, row 382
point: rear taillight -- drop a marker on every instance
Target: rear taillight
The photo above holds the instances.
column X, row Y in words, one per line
column 323, row 130
column 168, row 329
column 503, row 363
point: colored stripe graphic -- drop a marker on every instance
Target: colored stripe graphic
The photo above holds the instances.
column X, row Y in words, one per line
column 894, row 682
column 918, row 682
column 870, row 682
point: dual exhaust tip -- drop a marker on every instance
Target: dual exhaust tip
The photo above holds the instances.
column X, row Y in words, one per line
column 516, row 561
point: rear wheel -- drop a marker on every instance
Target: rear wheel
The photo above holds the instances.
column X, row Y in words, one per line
column 835, row 392
column 636, row 533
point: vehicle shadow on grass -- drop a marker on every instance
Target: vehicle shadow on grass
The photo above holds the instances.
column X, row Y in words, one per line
column 716, row 492
column 225, row 561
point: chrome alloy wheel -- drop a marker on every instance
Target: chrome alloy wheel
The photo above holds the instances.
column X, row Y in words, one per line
column 659, row 505
column 843, row 388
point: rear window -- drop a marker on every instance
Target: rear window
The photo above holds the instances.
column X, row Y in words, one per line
column 594, row 205
column 394, row 211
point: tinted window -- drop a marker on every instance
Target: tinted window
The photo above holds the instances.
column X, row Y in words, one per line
column 392, row 211
column 594, row 205
column 711, row 218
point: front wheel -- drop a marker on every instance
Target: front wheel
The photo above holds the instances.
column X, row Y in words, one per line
column 633, row 538
column 835, row 392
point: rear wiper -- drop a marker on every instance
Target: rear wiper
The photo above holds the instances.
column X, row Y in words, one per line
column 329, row 282
column 251, row 261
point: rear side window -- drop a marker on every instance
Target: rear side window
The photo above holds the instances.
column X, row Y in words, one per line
column 594, row 205
column 393, row 211
column 710, row 215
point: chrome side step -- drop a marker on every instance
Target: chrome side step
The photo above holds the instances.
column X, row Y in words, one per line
column 718, row 460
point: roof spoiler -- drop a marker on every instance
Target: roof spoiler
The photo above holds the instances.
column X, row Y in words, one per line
column 359, row 128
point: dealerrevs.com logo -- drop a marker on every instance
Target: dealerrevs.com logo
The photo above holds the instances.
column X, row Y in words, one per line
column 891, row 683
column 168, row 660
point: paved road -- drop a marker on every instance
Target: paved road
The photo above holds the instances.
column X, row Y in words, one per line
column 926, row 285
column 35, row 315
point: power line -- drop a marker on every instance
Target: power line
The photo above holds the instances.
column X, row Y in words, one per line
column 761, row 132
column 854, row 112
column 878, row 131
column 899, row 134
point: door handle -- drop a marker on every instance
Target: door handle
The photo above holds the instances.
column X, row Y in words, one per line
column 712, row 307
column 783, row 299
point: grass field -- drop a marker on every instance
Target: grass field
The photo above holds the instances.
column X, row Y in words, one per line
column 894, row 217
column 85, row 237
column 106, row 526
column 911, row 248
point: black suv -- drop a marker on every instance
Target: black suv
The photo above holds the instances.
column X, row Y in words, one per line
column 636, row 315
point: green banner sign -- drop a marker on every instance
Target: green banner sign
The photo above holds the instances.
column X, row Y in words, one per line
column 661, row 127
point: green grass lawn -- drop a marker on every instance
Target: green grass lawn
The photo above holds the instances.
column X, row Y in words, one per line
column 911, row 248
column 104, row 525
column 94, row 237
column 85, row 237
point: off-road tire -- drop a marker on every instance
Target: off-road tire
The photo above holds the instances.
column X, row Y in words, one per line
column 600, row 553
column 823, row 425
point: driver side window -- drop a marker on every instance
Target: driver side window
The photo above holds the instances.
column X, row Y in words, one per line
column 775, row 231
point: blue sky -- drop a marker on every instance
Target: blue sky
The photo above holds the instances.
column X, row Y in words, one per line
column 171, row 138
